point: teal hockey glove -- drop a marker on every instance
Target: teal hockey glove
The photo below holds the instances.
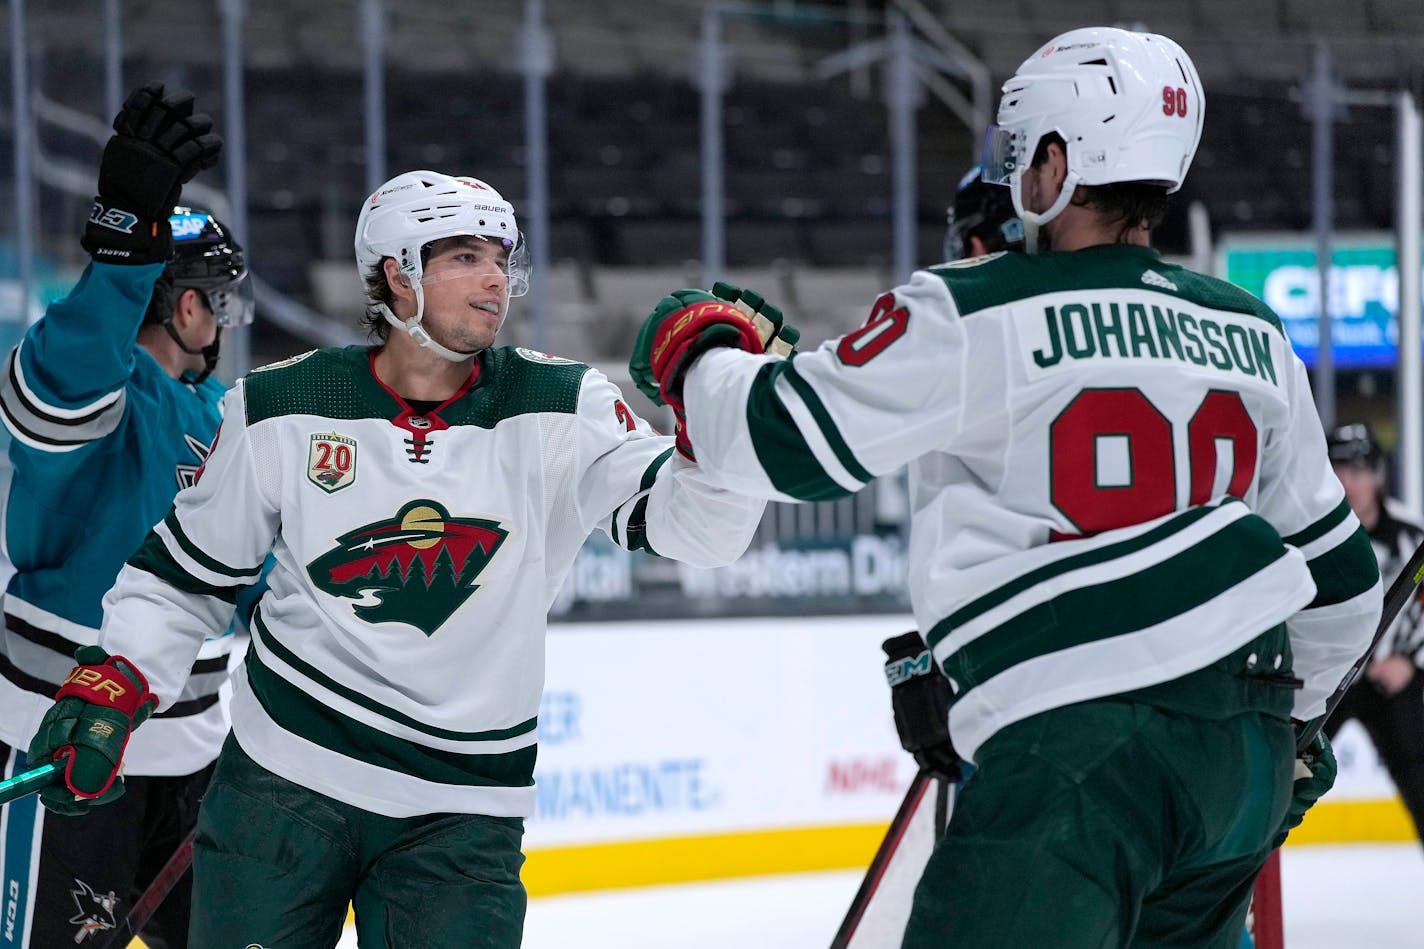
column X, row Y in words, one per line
column 1315, row 771
column 158, row 146
column 102, row 700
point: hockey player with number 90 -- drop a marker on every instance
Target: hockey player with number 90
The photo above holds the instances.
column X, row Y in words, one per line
column 1128, row 552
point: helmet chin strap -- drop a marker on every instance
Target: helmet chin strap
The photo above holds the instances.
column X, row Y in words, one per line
column 1033, row 221
column 208, row 352
column 417, row 332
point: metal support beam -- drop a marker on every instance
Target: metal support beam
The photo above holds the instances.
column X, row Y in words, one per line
column 373, row 91
column 24, row 137
column 1409, row 452
column 712, row 81
column 537, row 62
column 113, row 59
column 237, row 347
column 1321, row 103
column 902, row 98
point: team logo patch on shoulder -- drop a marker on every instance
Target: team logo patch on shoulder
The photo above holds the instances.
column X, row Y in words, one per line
column 331, row 462
column 533, row 355
column 289, row 361
column 417, row 568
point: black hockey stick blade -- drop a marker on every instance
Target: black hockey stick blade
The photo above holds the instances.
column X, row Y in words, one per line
column 1400, row 592
column 917, row 800
column 147, row 904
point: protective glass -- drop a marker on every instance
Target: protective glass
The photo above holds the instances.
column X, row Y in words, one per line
column 514, row 266
column 1003, row 154
column 233, row 303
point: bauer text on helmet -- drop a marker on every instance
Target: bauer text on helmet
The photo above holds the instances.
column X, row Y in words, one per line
column 1128, row 106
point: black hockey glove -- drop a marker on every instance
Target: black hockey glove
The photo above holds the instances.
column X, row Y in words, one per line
column 158, row 147
column 919, row 694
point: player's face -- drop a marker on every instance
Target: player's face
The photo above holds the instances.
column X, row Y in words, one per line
column 466, row 292
column 197, row 328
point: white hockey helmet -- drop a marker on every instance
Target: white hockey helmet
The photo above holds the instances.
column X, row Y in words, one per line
column 418, row 207
column 1128, row 105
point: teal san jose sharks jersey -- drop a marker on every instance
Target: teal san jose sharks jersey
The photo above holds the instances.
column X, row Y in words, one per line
column 1117, row 474
column 397, row 657
column 101, row 440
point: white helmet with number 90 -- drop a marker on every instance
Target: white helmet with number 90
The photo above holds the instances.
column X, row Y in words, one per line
column 1127, row 105
column 418, row 207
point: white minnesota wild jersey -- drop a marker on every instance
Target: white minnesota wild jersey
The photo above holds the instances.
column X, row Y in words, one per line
column 1103, row 398
column 397, row 659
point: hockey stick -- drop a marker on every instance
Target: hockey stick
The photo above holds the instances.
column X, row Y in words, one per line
column 924, row 783
column 147, row 904
column 28, row 782
column 1400, row 592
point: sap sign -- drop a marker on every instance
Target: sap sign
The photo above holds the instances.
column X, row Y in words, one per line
column 1363, row 292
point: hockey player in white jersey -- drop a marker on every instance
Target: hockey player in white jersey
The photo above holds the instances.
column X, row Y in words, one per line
column 1128, row 551
column 424, row 499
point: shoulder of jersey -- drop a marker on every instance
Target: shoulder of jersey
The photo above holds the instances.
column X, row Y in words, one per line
column 527, row 380
column 302, row 382
column 979, row 282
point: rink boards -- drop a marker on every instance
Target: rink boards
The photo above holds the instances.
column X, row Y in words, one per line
column 705, row 749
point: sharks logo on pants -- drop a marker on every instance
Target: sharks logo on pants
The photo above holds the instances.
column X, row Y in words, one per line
column 418, row 567
column 95, row 911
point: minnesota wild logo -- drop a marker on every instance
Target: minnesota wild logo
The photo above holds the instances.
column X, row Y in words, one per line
column 417, row 568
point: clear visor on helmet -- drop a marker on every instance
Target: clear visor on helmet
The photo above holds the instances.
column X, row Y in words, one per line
column 512, row 264
column 232, row 303
column 1003, row 154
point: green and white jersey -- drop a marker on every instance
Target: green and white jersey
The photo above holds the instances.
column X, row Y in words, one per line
column 397, row 659
column 1076, row 397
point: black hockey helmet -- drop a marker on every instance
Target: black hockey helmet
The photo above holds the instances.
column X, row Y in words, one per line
column 1354, row 443
column 985, row 211
column 206, row 258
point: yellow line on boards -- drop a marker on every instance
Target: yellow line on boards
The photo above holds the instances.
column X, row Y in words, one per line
column 606, row 866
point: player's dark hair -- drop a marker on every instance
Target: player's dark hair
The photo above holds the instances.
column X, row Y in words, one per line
column 1133, row 204
column 378, row 290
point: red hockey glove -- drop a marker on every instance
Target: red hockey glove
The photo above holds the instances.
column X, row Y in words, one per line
column 687, row 323
column 102, row 700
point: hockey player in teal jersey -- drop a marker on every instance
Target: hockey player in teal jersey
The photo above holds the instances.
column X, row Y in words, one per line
column 1128, row 552
column 111, row 407
column 424, row 498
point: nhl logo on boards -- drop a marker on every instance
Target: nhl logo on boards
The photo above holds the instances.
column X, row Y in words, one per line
column 331, row 462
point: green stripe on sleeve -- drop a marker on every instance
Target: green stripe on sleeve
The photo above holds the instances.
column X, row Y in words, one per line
column 1344, row 571
column 153, row 557
column 273, row 644
column 651, row 473
column 306, row 717
column 1321, row 527
column 780, row 447
column 247, row 574
column 828, row 427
